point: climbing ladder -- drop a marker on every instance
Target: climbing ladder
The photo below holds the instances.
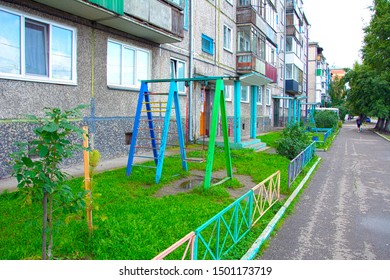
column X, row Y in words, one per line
column 158, row 144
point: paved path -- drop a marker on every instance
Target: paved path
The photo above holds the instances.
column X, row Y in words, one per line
column 344, row 214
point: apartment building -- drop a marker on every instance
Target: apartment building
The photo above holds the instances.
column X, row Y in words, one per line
column 66, row 53
column 319, row 75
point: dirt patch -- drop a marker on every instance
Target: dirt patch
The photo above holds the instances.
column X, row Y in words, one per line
column 196, row 178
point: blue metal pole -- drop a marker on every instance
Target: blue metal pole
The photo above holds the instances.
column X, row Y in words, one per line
column 237, row 111
column 180, row 131
column 254, row 93
column 164, row 136
column 295, row 111
column 143, row 90
column 299, row 111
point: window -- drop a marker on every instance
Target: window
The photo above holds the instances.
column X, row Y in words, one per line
column 289, row 74
column 186, row 15
column 289, row 46
column 261, row 47
column 244, row 41
column 36, row 50
column 228, row 93
column 245, row 94
column 178, row 69
column 207, row 44
column 260, row 95
column 268, row 96
column 227, row 38
column 281, row 44
column 126, row 65
column 281, row 71
column 244, row 2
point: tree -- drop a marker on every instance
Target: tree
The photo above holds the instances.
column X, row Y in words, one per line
column 41, row 179
column 337, row 95
column 337, row 91
column 369, row 82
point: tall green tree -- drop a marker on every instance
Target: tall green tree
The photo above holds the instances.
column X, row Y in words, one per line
column 369, row 82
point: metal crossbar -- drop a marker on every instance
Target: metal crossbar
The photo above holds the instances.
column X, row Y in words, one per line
column 265, row 195
column 299, row 162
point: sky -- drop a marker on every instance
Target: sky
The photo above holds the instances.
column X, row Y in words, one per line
column 337, row 25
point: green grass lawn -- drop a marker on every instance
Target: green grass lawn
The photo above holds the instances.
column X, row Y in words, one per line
column 130, row 222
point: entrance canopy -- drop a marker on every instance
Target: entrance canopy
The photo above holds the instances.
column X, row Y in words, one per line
column 250, row 79
column 254, row 79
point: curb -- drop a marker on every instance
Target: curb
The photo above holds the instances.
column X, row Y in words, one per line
column 377, row 133
column 270, row 227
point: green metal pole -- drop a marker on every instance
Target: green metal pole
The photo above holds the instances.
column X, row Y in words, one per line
column 219, row 102
column 225, row 130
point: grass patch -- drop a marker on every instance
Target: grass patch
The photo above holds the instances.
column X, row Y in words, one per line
column 270, row 138
column 129, row 221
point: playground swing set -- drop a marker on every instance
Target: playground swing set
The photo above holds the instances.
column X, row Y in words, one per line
column 146, row 116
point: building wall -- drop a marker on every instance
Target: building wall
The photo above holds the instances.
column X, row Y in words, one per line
column 312, row 72
column 112, row 110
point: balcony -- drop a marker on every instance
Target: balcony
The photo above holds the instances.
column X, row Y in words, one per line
column 248, row 15
column 293, row 87
column 152, row 20
column 290, row 6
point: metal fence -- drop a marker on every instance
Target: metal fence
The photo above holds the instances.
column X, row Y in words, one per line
column 299, row 162
column 215, row 238
column 328, row 132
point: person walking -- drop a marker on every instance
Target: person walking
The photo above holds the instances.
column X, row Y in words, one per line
column 359, row 124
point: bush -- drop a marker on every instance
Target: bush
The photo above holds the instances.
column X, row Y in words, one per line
column 294, row 140
column 326, row 119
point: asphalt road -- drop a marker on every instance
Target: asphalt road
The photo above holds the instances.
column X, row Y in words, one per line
column 344, row 213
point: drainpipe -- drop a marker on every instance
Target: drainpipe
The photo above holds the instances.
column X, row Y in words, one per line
column 191, row 66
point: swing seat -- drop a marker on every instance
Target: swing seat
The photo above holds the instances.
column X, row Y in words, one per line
column 196, row 160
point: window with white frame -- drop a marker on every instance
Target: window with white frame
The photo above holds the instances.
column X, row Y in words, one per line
column 289, row 44
column 268, row 96
column 228, row 92
column 245, row 94
column 126, row 65
column 227, row 38
column 244, row 40
column 36, row 50
column 178, row 70
column 260, row 95
column 289, row 71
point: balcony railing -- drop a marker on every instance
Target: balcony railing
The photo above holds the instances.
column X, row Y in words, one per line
column 248, row 62
column 156, row 21
column 271, row 72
